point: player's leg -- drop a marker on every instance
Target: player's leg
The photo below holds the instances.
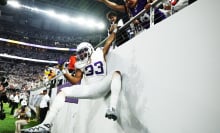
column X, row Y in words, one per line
column 51, row 114
column 77, row 91
column 115, row 92
column 55, row 107
column 99, row 89
column 83, row 92
column 92, row 91
column 57, row 104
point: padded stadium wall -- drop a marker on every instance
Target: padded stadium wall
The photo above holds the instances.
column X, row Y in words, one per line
column 171, row 79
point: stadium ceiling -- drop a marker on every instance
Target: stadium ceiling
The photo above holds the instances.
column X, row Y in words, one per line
column 86, row 8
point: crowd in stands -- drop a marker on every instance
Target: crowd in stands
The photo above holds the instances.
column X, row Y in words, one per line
column 141, row 13
column 22, row 75
column 32, row 52
column 44, row 37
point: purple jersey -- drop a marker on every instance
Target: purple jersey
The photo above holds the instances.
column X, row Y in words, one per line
column 140, row 6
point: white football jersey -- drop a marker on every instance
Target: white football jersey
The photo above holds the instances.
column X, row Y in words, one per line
column 95, row 70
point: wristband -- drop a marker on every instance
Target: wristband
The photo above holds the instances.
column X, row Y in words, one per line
column 64, row 71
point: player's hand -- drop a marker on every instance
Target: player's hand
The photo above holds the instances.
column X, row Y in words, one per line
column 61, row 63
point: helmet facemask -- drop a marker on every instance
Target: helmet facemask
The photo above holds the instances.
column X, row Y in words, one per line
column 84, row 52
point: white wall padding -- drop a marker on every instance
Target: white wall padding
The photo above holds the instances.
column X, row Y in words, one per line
column 171, row 78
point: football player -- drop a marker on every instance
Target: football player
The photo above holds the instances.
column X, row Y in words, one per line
column 90, row 65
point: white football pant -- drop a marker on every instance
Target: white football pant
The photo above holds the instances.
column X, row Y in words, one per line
column 98, row 89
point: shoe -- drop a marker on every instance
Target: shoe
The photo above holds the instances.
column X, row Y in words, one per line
column 42, row 128
column 111, row 114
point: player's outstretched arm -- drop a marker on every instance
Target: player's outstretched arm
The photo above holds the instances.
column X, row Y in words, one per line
column 108, row 43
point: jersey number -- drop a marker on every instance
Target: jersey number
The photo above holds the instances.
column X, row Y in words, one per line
column 96, row 68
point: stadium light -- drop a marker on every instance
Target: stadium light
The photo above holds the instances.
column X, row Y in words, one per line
column 81, row 21
column 91, row 23
column 50, row 13
column 100, row 26
column 14, row 4
column 63, row 17
column 35, row 9
column 85, row 22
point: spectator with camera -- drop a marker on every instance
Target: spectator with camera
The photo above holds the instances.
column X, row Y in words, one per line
column 23, row 115
column 3, row 97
